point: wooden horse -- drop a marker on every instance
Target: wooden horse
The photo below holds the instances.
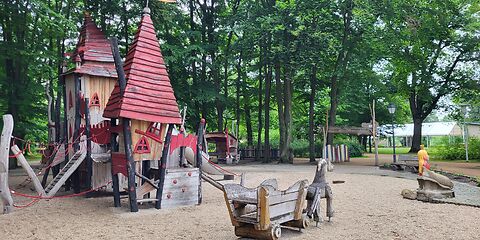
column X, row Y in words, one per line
column 317, row 190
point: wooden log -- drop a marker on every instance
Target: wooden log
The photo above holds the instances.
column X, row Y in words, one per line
column 23, row 162
column 248, row 231
column 263, row 208
column 302, row 223
column 58, row 102
column 198, row 159
column 115, row 180
column 127, row 138
column 76, row 132
column 162, row 167
column 65, row 130
column 127, row 133
column 122, row 81
column 88, row 158
column 300, row 204
column 5, row 194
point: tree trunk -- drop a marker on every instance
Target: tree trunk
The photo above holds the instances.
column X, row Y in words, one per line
column 417, row 134
column 248, row 122
column 279, row 97
column 260, row 106
column 311, row 114
column 340, row 66
column 268, row 83
column 237, row 93
column 286, row 155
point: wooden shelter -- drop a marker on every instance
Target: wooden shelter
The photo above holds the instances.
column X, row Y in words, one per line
column 226, row 146
column 144, row 103
column 87, row 88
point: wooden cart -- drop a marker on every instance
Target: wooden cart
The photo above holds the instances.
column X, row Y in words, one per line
column 259, row 212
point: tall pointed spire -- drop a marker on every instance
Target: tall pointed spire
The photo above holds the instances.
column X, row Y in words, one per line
column 148, row 94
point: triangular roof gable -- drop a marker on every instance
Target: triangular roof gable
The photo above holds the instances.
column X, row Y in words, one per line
column 92, row 44
column 93, row 51
column 148, row 94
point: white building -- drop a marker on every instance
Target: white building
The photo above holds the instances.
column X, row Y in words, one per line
column 429, row 130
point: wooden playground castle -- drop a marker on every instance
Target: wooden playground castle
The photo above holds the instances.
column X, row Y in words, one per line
column 119, row 134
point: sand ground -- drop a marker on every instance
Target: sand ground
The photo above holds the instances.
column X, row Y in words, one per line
column 366, row 207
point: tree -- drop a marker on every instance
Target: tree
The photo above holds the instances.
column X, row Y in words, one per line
column 433, row 48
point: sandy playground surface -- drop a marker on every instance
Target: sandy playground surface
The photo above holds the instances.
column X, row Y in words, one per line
column 366, row 207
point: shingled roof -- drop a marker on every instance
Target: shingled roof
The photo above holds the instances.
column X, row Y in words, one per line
column 148, row 94
column 94, row 52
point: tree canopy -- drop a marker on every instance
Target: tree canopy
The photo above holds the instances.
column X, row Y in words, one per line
column 276, row 69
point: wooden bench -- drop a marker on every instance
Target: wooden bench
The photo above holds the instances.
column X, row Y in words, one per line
column 259, row 212
column 407, row 162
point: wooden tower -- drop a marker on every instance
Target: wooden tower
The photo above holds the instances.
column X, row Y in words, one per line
column 144, row 103
column 87, row 88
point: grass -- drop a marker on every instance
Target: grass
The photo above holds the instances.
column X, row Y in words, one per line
column 398, row 150
column 433, row 159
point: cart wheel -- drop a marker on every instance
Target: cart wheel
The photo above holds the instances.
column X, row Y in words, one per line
column 306, row 221
column 276, row 232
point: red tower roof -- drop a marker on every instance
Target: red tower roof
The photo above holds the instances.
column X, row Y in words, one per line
column 93, row 50
column 148, row 94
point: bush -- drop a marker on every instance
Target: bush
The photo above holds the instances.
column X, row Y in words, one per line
column 355, row 149
column 456, row 150
column 301, row 148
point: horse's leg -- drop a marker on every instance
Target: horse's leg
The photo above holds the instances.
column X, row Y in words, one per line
column 329, row 196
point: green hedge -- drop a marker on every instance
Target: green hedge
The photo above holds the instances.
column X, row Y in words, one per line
column 456, row 150
column 301, row 147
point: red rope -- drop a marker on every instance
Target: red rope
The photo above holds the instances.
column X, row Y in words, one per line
column 223, row 169
column 27, row 205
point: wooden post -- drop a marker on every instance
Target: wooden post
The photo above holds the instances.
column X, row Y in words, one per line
column 29, row 170
column 89, row 148
column 132, row 191
column 76, row 132
column 198, row 159
column 58, row 102
column 113, row 148
column 127, row 134
column 374, row 132
column 5, row 195
column 65, row 130
column 122, row 81
column 162, row 167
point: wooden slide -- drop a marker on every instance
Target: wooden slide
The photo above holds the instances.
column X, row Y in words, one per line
column 207, row 166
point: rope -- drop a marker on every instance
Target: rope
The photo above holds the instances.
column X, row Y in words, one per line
column 221, row 168
column 26, row 205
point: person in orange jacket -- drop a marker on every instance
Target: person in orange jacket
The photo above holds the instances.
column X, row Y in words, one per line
column 422, row 160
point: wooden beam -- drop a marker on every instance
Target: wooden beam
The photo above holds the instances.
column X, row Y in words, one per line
column 127, row 133
column 198, row 159
column 122, row 81
column 5, row 195
column 263, row 208
column 65, row 131
column 21, row 159
column 115, row 181
column 162, row 167
column 88, row 133
column 350, row 130
column 76, row 131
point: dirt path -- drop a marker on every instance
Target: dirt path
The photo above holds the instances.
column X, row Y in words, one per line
column 470, row 169
column 366, row 207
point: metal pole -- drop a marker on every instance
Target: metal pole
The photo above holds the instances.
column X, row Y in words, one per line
column 393, row 140
column 465, row 130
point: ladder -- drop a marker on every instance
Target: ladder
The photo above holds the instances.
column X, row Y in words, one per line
column 65, row 173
